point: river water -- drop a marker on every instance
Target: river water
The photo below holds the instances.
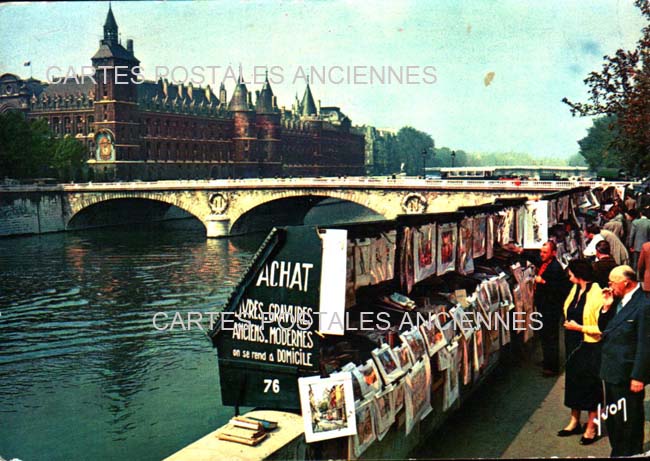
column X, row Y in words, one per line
column 83, row 372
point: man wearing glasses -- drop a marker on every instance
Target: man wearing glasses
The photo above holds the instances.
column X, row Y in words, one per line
column 625, row 365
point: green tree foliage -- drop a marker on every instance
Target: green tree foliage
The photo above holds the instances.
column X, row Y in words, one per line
column 622, row 89
column 28, row 149
column 599, row 147
column 68, row 158
column 24, row 146
column 409, row 145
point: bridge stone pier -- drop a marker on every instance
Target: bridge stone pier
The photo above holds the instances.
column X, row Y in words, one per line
column 231, row 207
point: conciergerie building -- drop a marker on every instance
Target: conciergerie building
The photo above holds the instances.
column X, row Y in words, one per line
column 160, row 130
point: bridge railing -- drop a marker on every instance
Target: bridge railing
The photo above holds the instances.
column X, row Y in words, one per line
column 326, row 182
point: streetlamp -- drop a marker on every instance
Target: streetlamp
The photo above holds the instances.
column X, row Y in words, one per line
column 453, row 157
column 424, row 163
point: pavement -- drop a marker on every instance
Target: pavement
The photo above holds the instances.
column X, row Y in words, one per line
column 515, row 414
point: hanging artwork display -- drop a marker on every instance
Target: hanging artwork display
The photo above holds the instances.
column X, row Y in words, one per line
column 446, row 251
column 552, row 213
column 382, row 258
column 478, row 240
column 467, row 359
column 465, row 247
column 327, row 406
column 369, row 375
column 387, row 363
column 433, row 337
column 444, row 358
column 417, row 395
column 385, row 411
column 479, row 353
column 403, row 356
column 415, row 343
column 452, row 386
column 520, row 214
column 406, row 260
column 365, row 435
column 398, row 393
column 350, row 289
column 424, row 247
column 489, row 236
column 362, row 262
column 536, row 228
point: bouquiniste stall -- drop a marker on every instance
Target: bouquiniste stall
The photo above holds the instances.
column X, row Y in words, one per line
column 370, row 327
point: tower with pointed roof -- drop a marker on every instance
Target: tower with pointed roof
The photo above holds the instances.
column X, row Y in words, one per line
column 117, row 120
column 244, row 136
column 268, row 124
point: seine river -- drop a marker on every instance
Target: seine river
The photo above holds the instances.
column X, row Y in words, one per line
column 83, row 372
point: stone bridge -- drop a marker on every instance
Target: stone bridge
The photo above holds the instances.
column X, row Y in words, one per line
column 229, row 207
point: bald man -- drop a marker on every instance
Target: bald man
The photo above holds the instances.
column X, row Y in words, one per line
column 625, row 363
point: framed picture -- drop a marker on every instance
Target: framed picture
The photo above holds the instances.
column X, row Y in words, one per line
column 366, row 434
column 359, row 387
column 478, row 240
column 403, row 356
column 536, row 228
column 424, row 249
column 327, row 406
column 504, row 292
column 398, row 395
column 385, row 411
column 463, row 321
column 417, row 395
column 446, row 248
column 489, row 236
column 415, row 343
column 362, row 263
column 369, row 374
column 433, row 337
column 452, row 385
column 465, row 247
column 387, row 363
column 444, row 358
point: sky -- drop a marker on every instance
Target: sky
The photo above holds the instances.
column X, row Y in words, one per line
column 535, row 53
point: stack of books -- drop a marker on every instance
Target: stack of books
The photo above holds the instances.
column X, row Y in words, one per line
column 246, row 430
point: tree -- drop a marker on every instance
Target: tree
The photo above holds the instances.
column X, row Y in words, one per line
column 24, row 146
column 68, row 158
column 410, row 144
column 599, row 147
column 622, row 89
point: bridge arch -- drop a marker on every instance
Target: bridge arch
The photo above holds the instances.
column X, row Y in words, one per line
column 291, row 208
column 114, row 209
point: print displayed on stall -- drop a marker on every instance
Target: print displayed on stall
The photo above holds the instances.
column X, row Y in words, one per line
column 327, row 406
column 489, row 237
column 385, row 411
column 415, row 343
column 424, row 247
column 433, row 337
column 446, row 251
column 387, row 364
column 417, row 395
column 403, row 356
column 465, row 247
column 478, row 240
column 536, row 232
column 365, row 435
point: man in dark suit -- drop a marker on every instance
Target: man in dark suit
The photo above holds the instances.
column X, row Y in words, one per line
column 551, row 289
column 625, row 365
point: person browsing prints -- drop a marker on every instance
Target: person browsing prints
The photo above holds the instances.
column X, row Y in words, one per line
column 625, row 358
column 551, row 288
column 583, row 388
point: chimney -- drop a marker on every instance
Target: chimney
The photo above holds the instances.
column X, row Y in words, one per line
column 318, row 108
column 248, row 100
column 275, row 102
column 129, row 46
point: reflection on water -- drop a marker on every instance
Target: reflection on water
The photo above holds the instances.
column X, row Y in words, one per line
column 83, row 372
